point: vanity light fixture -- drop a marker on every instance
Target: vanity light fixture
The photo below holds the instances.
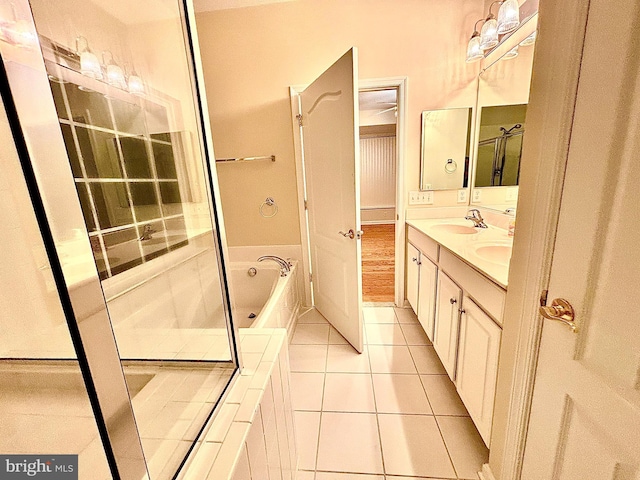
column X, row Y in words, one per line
column 530, row 40
column 115, row 75
column 508, row 16
column 474, row 52
column 89, row 63
column 489, row 32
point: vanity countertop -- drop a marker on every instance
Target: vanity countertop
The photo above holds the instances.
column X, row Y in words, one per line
column 488, row 250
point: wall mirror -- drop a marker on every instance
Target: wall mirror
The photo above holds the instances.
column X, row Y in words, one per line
column 444, row 155
column 503, row 94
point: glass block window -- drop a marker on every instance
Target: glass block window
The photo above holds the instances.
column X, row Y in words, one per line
column 126, row 176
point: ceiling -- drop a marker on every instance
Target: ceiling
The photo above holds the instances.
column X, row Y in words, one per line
column 377, row 99
column 209, row 5
column 139, row 11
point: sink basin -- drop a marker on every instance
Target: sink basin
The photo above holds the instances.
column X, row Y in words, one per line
column 456, row 229
column 500, row 254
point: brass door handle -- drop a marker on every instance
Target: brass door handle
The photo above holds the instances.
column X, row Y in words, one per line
column 351, row 234
column 562, row 311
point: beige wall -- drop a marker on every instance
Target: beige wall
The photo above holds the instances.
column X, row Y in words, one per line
column 252, row 55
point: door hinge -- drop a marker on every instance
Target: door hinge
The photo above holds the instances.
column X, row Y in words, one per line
column 543, row 298
column 306, row 205
column 310, row 277
column 299, row 117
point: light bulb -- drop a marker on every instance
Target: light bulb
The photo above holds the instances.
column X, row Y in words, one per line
column 90, row 65
column 115, row 76
column 136, row 87
column 508, row 16
column 20, row 34
column 489, row 34
column 530, row 40
column 474, row 52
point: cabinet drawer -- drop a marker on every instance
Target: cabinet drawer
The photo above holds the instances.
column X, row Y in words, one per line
column 486, row 293
column 425, row 244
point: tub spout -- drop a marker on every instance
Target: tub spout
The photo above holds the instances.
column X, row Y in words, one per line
column 285, row 266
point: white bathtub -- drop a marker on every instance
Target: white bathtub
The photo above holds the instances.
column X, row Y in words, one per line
column 265, row 300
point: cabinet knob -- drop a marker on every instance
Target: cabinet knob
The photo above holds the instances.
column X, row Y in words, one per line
column 462, row 311
column 453, row 300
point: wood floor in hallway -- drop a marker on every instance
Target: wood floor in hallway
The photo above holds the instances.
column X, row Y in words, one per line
column 378, row 263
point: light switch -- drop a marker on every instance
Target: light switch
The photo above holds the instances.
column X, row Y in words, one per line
column 413, row 198
column 462, row 195
column 428, row 198
column 477, row 195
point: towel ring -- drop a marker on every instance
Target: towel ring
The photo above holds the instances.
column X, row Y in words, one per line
column 451, row 166
column 269, row 202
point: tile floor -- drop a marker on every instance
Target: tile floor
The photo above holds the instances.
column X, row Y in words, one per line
column 390, row 413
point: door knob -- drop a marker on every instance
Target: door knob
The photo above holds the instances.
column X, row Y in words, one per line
column 349, row 234
column 562, row 311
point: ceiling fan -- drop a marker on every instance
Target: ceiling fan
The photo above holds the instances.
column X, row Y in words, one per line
column 394, row 107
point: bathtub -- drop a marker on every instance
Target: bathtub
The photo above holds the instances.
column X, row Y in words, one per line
column 265, row 300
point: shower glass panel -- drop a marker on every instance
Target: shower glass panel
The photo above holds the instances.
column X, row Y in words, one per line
column 114, row 96
column 44, row 405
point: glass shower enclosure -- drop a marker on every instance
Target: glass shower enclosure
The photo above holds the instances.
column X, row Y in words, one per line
column 116, row 335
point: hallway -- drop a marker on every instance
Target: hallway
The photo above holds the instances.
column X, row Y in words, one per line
column 390, row 411
column 378, row 263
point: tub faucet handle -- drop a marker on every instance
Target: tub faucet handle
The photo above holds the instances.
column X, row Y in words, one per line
column 285, row 266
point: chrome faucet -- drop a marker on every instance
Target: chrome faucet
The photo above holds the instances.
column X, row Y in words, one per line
column 476, row 218
column 285, row 265
column 147, row 232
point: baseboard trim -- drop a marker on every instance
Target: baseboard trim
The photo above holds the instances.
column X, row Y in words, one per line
column 486, row 473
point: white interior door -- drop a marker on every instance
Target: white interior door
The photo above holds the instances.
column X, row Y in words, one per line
column 332, row 172
column 585, row 416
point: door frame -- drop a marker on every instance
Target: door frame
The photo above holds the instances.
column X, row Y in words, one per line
column 399, row 83
column 555, row 79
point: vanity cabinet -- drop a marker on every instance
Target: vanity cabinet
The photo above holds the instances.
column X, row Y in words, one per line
column 461, row 310
column 447, row 323
column 478, row 350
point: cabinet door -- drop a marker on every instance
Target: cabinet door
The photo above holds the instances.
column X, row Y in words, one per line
column 413, row 276
column 427, row 295
column 478, row 365
column 445, row 339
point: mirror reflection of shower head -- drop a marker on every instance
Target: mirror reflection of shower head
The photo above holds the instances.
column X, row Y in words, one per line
column 516, row 126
